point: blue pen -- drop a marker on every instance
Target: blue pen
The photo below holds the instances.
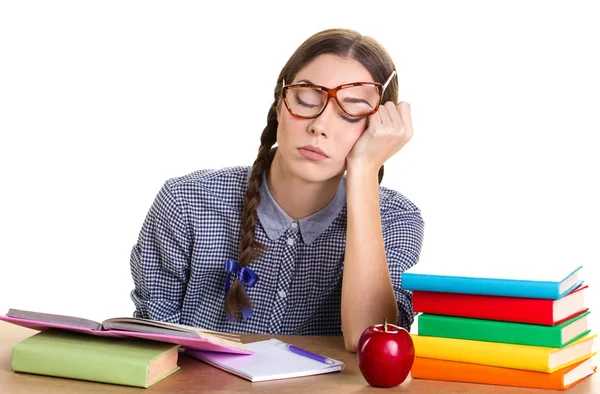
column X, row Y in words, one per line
column 305, row 353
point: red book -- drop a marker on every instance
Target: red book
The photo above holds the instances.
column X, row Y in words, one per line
column 513, row 309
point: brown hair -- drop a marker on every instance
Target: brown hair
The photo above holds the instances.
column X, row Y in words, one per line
column 341, row 42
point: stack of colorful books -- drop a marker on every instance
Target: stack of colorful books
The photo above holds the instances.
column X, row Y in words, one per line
column 493, row 329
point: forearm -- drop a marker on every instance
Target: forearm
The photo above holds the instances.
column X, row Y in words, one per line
column 367, row 293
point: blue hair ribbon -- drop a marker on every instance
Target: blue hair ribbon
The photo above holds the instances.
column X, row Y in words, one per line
column 243, row 274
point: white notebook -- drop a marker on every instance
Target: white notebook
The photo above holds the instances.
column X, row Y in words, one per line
column 270, row 361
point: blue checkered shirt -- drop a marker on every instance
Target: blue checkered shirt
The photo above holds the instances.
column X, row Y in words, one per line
column 193, row 227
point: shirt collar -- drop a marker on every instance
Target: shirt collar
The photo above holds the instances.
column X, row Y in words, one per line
column 275, row 221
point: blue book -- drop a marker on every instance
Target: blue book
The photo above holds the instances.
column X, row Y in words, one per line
column 507, row 281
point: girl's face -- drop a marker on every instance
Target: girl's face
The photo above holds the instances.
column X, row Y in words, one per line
column 334, row 131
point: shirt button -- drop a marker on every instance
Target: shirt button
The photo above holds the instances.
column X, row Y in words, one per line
column 281, row 293
column 290, row 241
column 294, row 224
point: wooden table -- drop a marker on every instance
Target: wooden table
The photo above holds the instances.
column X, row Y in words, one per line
column 197, row 377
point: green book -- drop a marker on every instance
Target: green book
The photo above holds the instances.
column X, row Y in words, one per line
column 557, row 336
column 130, row 362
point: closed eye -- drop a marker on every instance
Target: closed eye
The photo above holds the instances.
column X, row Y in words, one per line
column 351, row 120
column 299, row 101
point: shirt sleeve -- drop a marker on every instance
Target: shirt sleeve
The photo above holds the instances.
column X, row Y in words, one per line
column 403, row 237
column 160, row 260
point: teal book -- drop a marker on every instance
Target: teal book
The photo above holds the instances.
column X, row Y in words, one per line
column 129, row 362
column 557, row 336
column 508, row 279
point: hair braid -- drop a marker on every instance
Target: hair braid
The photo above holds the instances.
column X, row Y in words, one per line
column 250, row 249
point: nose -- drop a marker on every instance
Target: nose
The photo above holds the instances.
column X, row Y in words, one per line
column 324, row 122
column 315, row 128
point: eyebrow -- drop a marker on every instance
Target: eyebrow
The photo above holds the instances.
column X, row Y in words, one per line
column 346, row 99
column 356, row 100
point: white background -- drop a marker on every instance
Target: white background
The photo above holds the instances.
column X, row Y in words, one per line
column 101, row 102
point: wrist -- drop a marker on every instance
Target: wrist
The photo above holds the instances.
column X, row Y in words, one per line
column 360, row 178
column 361, row 169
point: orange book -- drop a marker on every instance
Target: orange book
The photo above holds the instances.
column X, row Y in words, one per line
column 563, row 379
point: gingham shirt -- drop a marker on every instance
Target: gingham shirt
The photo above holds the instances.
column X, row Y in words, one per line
column 193, row 227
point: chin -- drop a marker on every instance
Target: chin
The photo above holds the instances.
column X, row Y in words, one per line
column 315, row 172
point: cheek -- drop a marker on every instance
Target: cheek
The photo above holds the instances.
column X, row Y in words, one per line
column 289, row 127
column 351, row 135
column 286, row 121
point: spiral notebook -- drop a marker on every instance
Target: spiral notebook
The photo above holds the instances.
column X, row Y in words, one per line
column 271, row 360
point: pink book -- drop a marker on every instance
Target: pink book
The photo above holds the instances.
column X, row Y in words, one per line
column 124, row 327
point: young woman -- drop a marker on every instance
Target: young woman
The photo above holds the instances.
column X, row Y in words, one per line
column 304, row 242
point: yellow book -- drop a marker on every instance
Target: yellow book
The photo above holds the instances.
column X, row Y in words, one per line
column 507, row 355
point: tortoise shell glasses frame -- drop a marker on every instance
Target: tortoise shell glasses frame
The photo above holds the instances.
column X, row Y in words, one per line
column 332, row 93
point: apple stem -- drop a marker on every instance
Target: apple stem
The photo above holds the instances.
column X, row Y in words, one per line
column 385, row 325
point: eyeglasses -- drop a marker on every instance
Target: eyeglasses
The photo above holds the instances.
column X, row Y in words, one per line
column 357, row 99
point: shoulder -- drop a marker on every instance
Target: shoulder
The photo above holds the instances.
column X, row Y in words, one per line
column 227, row 185
column 394, row 202
column 401, row 219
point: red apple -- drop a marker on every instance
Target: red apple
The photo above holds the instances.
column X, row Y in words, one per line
column 385, row 355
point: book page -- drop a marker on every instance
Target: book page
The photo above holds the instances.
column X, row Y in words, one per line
column 235, row 343
column 117, row 322
column 149, row 328
column 52, row 318
column 172, row 329
column 131, row 321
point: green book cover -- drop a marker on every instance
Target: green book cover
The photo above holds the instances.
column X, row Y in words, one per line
column 501, row 331
column 130, row 362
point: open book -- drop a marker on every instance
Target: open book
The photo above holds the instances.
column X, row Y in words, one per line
column 123, row 327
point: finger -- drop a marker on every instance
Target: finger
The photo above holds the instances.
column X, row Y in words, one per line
column 405, row 114
column 385, row 116
column 394, row 113
column 375, row 119
column 404, row 109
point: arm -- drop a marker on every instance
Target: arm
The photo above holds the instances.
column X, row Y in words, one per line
column 160, row 261
column 403, row 234
column 371, row 287
column 369, row 293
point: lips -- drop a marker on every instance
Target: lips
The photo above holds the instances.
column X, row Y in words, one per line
column 314, row 149
column 312, row 153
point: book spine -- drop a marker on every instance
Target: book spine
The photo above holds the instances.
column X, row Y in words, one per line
column 486, row 286
column 521, row 310
column 530, row 358
column 77, row 364
column 426, row 368
column 489, row 330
